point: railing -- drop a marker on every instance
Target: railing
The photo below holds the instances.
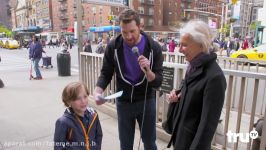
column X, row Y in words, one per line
column 244, row 102
column 224, row 62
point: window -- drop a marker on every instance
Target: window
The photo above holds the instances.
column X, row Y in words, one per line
column 150, row 1
column 150, row 22
column 141, row 10
column 151, row 11
column 142, row 20
column 101, row 9
column 254, row 17
column 160, row 22
column 101, row 19
column 94, row 10
column 94, row 20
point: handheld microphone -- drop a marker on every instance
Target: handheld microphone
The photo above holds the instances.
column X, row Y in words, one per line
column 135, row 50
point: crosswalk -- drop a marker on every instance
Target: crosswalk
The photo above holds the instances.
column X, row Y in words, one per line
column 18, row 63
column 12, row 62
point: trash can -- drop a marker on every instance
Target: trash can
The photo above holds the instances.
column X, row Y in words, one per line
column 63, row 64
column 1, row 84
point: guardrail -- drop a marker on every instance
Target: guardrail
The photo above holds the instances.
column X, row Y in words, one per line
column 224, row 62
column 244, row 103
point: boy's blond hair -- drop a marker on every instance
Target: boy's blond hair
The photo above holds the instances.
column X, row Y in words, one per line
column 71, row 91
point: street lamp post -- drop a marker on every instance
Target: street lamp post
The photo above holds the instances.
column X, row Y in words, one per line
column 79, row 31
column 222, row 22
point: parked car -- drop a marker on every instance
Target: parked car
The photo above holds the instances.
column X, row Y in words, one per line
column 3, row 42
column 257, row 53
column 12, row 44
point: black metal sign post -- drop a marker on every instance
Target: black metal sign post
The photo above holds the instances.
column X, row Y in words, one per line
column 168, row 79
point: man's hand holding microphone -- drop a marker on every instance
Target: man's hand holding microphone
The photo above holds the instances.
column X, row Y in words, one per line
column 144, row 64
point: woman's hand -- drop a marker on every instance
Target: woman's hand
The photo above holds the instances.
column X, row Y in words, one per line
column 173, row 98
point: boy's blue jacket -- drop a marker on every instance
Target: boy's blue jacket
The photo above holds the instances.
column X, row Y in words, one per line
column 69, row 134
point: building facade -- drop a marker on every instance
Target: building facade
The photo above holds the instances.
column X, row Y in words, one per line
column 151, row 13
column 172, row 13
column 64, row 14
column 262, row 18
column 20, row 14
column 210, row 11
column 5, row 14
column 43, row 14
column 249, row 14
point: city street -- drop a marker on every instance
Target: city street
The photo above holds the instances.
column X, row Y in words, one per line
column 29, row 108
column 19, row 58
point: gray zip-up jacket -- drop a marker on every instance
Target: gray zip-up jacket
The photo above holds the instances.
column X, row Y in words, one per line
column 113, row 61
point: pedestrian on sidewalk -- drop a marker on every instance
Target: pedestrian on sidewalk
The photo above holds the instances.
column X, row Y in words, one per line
column 35, row 54
column 101, row 47
column 64, row 47
column 79, row 128
column 172, row 46
column 245, row 44
column 87, row 47
column 197, row 105
column 137, row 62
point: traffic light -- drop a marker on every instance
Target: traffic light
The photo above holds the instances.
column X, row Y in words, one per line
column 232, row 20
column 110, row 17
column 234, row 2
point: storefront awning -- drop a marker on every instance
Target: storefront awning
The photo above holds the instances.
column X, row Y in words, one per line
column 105, row 29
column 70, row 30
column 30, row 29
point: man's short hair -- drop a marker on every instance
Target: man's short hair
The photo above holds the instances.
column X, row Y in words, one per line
column 128, row 15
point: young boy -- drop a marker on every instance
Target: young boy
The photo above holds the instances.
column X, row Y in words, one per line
column 79, row 128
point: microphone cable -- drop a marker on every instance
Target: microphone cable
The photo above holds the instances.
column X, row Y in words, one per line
column 144, row 109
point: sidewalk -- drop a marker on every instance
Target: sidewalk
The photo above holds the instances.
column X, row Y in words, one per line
column 29, row 109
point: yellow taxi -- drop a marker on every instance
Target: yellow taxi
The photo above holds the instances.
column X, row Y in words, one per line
column 257, row 53
column 3, row 42
column 11, row 44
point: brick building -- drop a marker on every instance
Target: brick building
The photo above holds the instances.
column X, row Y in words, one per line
column 151, row 16
column 65, row 14
column 212, row 6
column 43, row 14
column 5, row 14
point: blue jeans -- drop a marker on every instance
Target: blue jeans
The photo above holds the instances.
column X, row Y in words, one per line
column 36, row 67
column 127, row 114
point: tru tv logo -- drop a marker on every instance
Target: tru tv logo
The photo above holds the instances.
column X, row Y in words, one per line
column 243, row 137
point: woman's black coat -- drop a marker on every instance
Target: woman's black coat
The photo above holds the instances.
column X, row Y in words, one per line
column 197, row 114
